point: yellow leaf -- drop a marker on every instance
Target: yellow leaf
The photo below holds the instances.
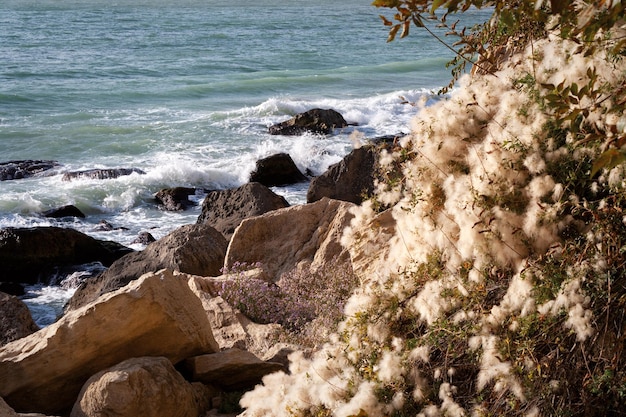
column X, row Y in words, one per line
column 436, row 5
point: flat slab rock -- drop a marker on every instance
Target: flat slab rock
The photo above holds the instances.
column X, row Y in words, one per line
column 15, row 170
column 230, row 369
column 100, row 174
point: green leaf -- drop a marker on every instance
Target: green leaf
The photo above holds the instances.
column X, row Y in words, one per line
column 609, row 160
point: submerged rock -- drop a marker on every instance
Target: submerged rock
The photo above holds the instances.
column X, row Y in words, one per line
column 225, row 209
column 14, row 170
column 278, row 169
column 100, row 174
column 65, row 211
column 322, row 121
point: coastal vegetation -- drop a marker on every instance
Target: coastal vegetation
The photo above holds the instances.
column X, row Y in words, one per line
column 496, row 239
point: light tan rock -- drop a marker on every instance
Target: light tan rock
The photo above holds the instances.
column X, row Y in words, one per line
column 146, row 387
column 231, row 328
column 15, row 319
column 370, row 251
column 156, row 315
column 283, row 239
column 231, row 369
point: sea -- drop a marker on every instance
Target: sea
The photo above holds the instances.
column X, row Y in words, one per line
column 185, row 91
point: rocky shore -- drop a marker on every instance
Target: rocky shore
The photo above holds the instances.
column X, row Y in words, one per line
column 151, row 335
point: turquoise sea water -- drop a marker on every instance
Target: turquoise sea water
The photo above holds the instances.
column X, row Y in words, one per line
column 185, row 91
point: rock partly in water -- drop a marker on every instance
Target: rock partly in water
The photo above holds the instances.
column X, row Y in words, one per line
column 15, row 170
column 100, row 174
column 321, row 121
column 175, row 199
column 28, row 255
column 283, row 239
column 105, row 226
column 144, row 238
column 15, row 319
column 156, row 315
column 69, row 210
column 232, row 369
column 146, row 387
column 225, row 209
column 351, row 179
column 196, row 249
column 276, row 170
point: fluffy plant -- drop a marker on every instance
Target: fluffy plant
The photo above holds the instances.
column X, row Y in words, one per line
column 500, row 287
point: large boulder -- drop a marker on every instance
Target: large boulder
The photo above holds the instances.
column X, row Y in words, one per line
column 196, row 249
column 231, row 328
column 15, row 319
column 156, row 315
column 146, row 387
column 14, row 170
column 28, row 255
column 175, row 199
column 322, row 121
column 370, row 252
column 225, row 209
column 351, row 179
column 100, row 174
column 278, row 169
column 232, row 369
column 283, row 239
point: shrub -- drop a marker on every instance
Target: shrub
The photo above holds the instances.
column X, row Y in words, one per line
column 307, row 303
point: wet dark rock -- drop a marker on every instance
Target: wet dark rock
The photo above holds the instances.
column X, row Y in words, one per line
column 196, row 249
column 144, row 238
column 278, row 169
column 322, row 121
column 351, row 179
column 12, row 288
column 29, row 255
column 175, row 199
column 226, row 209
column 105, row 226
column 14, row 170
column 65, row 211
column 101, row 174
